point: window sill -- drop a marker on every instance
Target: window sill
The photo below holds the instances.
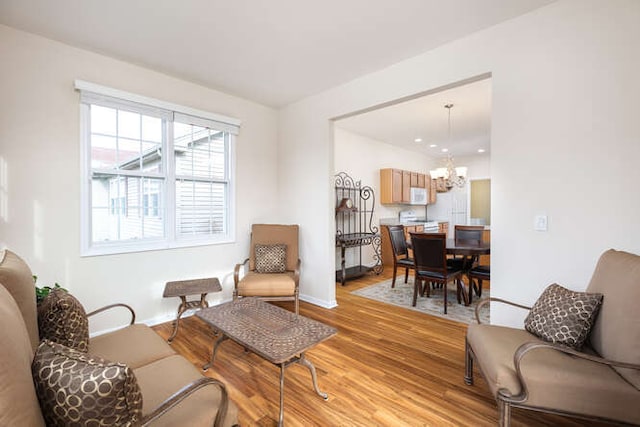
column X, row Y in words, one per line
column 125, row 248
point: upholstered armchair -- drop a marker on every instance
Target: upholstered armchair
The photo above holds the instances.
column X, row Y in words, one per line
column 272, row 271
column 597, row 380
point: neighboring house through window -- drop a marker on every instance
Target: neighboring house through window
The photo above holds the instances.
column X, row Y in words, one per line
column 155, row 175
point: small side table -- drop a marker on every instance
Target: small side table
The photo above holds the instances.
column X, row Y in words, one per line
column 183, row 288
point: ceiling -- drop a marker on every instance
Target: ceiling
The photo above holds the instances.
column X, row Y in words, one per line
column 272, row 52
column 426, row 118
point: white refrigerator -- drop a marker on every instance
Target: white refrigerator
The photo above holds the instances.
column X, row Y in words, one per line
column 450, row 206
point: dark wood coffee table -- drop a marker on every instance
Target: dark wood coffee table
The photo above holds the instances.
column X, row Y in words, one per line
column 277, row 335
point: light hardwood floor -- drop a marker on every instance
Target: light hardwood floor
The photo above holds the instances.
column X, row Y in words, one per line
column 387, row 366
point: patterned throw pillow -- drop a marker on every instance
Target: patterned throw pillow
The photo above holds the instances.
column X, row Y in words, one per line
column 62, row 319
column 75, row 389
column 563, row 316
column 271, row 258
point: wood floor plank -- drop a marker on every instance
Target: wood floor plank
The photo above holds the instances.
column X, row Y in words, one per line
column 387, row 366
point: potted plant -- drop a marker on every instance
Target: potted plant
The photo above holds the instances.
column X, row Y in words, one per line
column 42, row 292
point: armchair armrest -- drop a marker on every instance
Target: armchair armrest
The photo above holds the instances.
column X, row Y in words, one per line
column 185, row 392
column 504, row 301
column 236, row 272
column 110, row 306
column 533, row 345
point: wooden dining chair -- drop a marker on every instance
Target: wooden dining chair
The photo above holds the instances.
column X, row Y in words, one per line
column 477, row 275
column 470, row 233
column 400, row 252
column 430, row 263
column 467, row 233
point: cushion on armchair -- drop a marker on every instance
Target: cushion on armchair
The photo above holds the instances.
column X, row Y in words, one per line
column 271, row 258
column 75, row 389
column 563, row 316
column 62, row 319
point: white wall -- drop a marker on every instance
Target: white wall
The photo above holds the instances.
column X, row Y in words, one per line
column 362, row 158
column 40, row 175
column 565, row 88
column 477, row 166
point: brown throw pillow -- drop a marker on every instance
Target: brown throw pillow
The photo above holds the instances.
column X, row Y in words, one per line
column 62, row 319
column 563, row 316
column 75, row 389
column 271, row 258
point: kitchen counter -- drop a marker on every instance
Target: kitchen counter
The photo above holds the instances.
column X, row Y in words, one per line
column 486, row 227
column 417, row 221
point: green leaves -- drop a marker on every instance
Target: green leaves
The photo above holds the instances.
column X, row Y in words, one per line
column 42, row 292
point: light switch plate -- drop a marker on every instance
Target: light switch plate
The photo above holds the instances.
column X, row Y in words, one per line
column 540, row 223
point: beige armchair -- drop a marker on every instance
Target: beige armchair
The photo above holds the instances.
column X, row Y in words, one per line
column 271, row 286
column 601, row 381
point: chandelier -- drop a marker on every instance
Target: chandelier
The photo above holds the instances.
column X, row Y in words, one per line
column 449, row 176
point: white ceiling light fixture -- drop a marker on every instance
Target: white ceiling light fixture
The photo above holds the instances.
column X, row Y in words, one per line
column 418, row 140
column 449, row 176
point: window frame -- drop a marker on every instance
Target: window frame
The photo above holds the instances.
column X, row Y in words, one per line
column 92, row 94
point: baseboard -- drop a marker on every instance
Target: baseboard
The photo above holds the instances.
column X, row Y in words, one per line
column 319, row 302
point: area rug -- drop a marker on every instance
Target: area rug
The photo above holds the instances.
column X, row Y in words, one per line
column 402, row 296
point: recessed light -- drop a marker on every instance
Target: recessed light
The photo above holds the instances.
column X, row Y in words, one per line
column 418, row 140
column 444, row 150
column 433, row 145
column 480, row 150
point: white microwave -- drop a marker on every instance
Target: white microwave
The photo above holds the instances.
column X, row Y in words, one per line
column 419, row 196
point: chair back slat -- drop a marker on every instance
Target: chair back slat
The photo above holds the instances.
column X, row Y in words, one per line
column 430, row 251
column 398, row 240
column 469, row 232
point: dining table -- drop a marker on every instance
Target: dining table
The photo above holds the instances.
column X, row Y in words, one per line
column 469, row 250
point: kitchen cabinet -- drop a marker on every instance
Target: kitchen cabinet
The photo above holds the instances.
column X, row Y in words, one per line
column 433, row 193
column 418, row 180
column 443, row 227
column 414, row 179
column 412, row 229
column 422, row 179
column 395, row 185
column 406, row 186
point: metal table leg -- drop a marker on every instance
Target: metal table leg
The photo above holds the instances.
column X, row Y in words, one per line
column 314, row 378
column 305, row 362
column 281, row 416
column 181, row 309
column 219, row 341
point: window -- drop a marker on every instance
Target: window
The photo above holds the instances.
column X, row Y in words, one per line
column 153, row 177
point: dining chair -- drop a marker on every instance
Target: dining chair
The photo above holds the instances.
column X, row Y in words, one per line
column 470, row 233
column 400, row 252
column 477, row 275
column 430, row 263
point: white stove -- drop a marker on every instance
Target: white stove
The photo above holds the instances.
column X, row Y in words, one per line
column 409, row 217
